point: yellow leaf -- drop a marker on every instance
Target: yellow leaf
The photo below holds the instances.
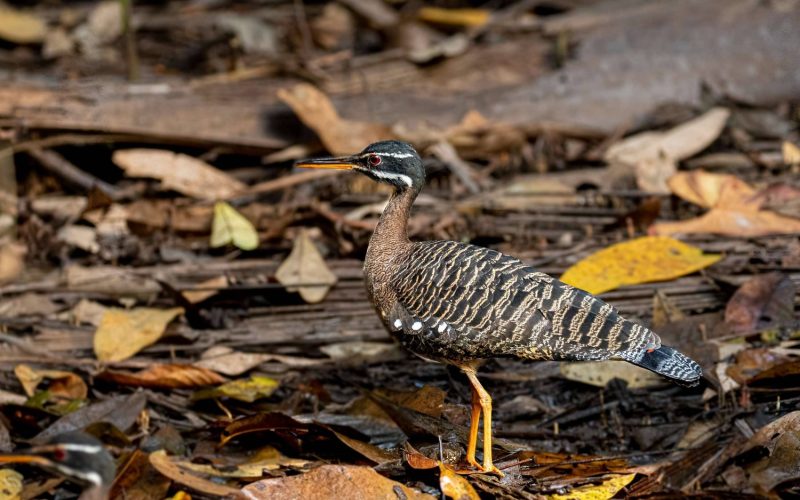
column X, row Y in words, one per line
column 245, row 389
column 642, row 260
column 305, row 271
column 791, row 153
column 19, row 27
column 455, row 486
column 230, row 226
column 454, row 17
column 122, row 333
column 10, row 484
column 603, row 491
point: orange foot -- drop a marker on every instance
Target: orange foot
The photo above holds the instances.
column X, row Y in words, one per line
column 482, row 469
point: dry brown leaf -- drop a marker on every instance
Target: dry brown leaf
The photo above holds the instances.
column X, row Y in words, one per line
column 736, row 208
column 730, row 222
column 62, row 384
column 179, row 172
column 166, row 466
column 165, row 377
column 763, row 301
column 710, row 190
column 225, row 360
column 332, row 482
column 20, row 27
column 340, row 136
column 12, row 261
column 653, row 155
column 122, row 333
column 205, row 289
column 305, row 271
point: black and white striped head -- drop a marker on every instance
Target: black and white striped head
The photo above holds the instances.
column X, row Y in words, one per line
column 391, row 162
column 75, row 455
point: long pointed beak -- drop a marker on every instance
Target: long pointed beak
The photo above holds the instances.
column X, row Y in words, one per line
column 24, row 459
column 339, row 163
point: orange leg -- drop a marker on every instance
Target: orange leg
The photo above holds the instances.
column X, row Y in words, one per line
column 473, row 429
column 485, row 404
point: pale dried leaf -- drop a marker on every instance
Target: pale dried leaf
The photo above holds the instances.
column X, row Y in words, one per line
column 20, row 27
column 10, row 480
column 12, row 261
column 205, row 289
column 122, row 333
column 179, row 172
column 166, row 466
column 600, row 373
column 225, row 360
column 111, row 281
column 791, row 153
column 305, row 271
column 678, row 143
column 82, row 237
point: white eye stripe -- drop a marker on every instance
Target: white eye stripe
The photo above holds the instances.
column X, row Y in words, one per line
column 81, row 448
column 390, row 155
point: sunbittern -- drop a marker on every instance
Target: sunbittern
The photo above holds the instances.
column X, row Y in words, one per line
column 76, row 456
column 460, row 304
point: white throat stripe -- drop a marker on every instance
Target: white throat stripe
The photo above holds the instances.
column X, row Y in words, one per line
column 387, row 175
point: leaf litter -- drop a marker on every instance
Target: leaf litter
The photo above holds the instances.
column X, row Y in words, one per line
column 210, row 372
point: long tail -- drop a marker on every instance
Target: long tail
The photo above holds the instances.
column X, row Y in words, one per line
column 672, row 364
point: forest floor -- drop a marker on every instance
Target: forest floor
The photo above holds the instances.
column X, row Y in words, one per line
column 170, row 283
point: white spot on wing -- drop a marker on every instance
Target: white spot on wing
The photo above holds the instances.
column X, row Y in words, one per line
column 442, row 327
column 416, row 326
column 398, row 323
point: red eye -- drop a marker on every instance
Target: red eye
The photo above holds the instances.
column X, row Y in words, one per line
column 374, row 160
column 59, row 454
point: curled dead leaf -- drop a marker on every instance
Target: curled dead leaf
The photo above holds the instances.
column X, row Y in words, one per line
column 340, row 136
column 62, row 384
column 179, row 172
column 165, row 376
column 169, row 468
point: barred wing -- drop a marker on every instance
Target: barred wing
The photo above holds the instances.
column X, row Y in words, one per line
column 471, row 302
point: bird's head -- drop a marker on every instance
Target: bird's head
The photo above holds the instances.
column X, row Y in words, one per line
column 392, row 162
column 75, row 455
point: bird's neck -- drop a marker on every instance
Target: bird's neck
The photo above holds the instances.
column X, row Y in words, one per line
column 391, row 234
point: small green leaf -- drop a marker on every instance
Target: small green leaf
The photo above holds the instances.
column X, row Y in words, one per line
column 245, row 389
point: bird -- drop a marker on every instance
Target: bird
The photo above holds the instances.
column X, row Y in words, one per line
column 461, row 304
column 75, row 455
